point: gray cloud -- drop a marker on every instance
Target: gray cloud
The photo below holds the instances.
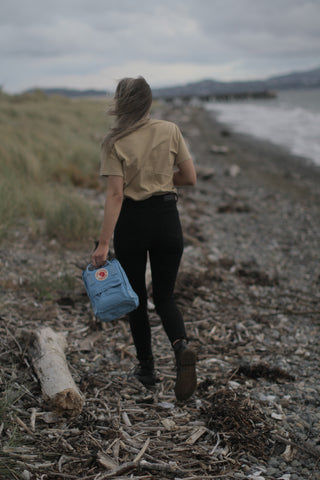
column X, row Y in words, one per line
column 81, row 41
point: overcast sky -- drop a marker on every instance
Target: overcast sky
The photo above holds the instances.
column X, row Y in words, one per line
column 93, row 43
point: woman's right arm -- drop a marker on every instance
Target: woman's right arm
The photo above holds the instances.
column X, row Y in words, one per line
column 112, row 209
column 185, row 175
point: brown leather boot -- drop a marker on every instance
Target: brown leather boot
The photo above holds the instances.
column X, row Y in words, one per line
column 186, row 381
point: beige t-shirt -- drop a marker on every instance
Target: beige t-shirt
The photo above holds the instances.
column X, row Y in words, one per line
column 146, row 159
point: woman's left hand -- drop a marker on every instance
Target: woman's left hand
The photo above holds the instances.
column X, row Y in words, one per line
column 99, row 256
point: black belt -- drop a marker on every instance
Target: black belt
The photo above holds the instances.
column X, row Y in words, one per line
column 167, row 197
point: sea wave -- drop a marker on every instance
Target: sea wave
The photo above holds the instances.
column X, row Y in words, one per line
column 292, row 127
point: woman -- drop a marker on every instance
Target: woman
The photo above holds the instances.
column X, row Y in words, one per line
column 144, row 161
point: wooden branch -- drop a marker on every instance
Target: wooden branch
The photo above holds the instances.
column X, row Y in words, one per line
column 306, row 447
column 50, row 364
column 122, row 469
column 139, row 466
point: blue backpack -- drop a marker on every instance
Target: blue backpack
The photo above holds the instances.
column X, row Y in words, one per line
column 109, row 290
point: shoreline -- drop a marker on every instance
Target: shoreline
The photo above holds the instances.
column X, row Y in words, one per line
column 308, row 156
column 271, row 199
column 245, row 149
column 275, row 197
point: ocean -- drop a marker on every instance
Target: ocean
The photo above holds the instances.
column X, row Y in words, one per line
column 291, row 120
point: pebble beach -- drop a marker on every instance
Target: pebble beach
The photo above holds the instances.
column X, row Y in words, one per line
column 249, row 292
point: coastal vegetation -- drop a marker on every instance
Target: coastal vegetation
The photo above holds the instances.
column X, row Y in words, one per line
column 49, row 150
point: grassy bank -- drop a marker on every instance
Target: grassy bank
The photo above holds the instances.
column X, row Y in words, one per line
column 49, row 148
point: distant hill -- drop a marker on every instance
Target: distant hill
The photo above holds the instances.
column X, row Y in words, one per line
column 306, row 79
column 71, row 92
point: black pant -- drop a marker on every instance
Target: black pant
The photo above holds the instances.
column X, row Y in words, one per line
column 151, row 226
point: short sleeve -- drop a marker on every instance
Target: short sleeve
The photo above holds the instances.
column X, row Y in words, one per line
column 183, row 153
column 111, row 164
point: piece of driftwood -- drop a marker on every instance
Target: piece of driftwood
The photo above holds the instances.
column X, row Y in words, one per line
column 50, row 364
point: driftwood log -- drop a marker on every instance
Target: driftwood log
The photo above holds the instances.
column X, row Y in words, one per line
column 50, row 364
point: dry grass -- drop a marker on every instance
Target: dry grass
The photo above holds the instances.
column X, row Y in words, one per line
column 48, row 144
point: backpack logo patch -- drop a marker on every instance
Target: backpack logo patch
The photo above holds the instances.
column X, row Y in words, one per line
column 101, row 274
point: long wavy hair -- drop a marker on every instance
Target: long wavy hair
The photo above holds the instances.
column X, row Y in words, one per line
column 131, row 105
